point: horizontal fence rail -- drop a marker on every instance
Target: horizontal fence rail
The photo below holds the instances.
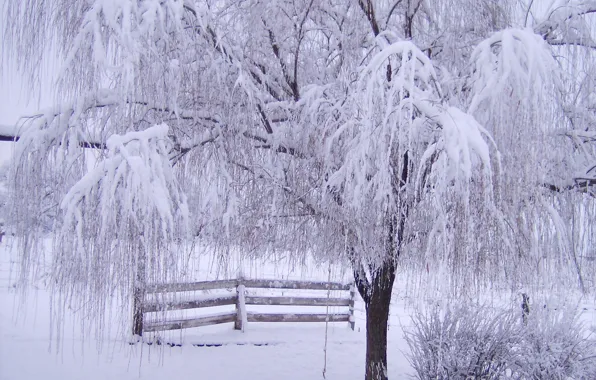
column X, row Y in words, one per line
column 304, row 285
column 188, row 323
column 183, row 305
column 257, row 317
column 191, row 286
column 256, row 284
column 297, row 301
column 240, row 316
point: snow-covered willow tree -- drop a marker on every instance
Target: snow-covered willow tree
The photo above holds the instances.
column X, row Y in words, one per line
column 451, row 136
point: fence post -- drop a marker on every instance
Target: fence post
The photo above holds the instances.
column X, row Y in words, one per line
column 351, row 319
column 241, row 317
column 139, row 297
column 525, row 307
column 137, row 318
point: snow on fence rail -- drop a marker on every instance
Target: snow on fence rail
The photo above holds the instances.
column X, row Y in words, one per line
column 240, row 316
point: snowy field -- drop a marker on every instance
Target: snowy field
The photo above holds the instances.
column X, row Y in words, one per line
column 29, row 350
column 263, row 351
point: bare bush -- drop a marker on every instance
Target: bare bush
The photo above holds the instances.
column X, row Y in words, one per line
column 556, row 346
column 462, row 343
column 471, row 342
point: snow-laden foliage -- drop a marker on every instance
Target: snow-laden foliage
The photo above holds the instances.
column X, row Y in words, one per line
column 468, row 341
column 399, row 142
column 120, row 221
column 462, row 342
column 136, row 180
column 404, row 117
column 557, row 346
column 113, row 37
column 564, row 23
column 513, row 61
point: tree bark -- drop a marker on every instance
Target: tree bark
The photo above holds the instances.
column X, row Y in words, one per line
column 377, row 298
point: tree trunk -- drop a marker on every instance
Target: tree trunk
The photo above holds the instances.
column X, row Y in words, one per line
column 377, row 298
column 377, row 318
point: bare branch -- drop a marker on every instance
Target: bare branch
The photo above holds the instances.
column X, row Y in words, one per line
column 367, row 8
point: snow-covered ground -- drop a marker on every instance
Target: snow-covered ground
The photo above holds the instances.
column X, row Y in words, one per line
column 29, row 350
column 264, row 351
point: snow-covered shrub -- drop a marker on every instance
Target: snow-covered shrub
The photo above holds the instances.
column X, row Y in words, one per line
column 471, row 342
column 555, row 345
column 463, row 342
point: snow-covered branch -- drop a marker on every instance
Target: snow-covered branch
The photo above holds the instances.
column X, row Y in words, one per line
column 135, row 183
column 566, row 24
column 515, row 60
column 121, row 218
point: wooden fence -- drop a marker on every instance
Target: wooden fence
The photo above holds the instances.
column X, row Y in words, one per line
column 240, row 316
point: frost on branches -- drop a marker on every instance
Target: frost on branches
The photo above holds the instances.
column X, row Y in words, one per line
column 121, row 212
column 121, row 222
column 400, row 142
